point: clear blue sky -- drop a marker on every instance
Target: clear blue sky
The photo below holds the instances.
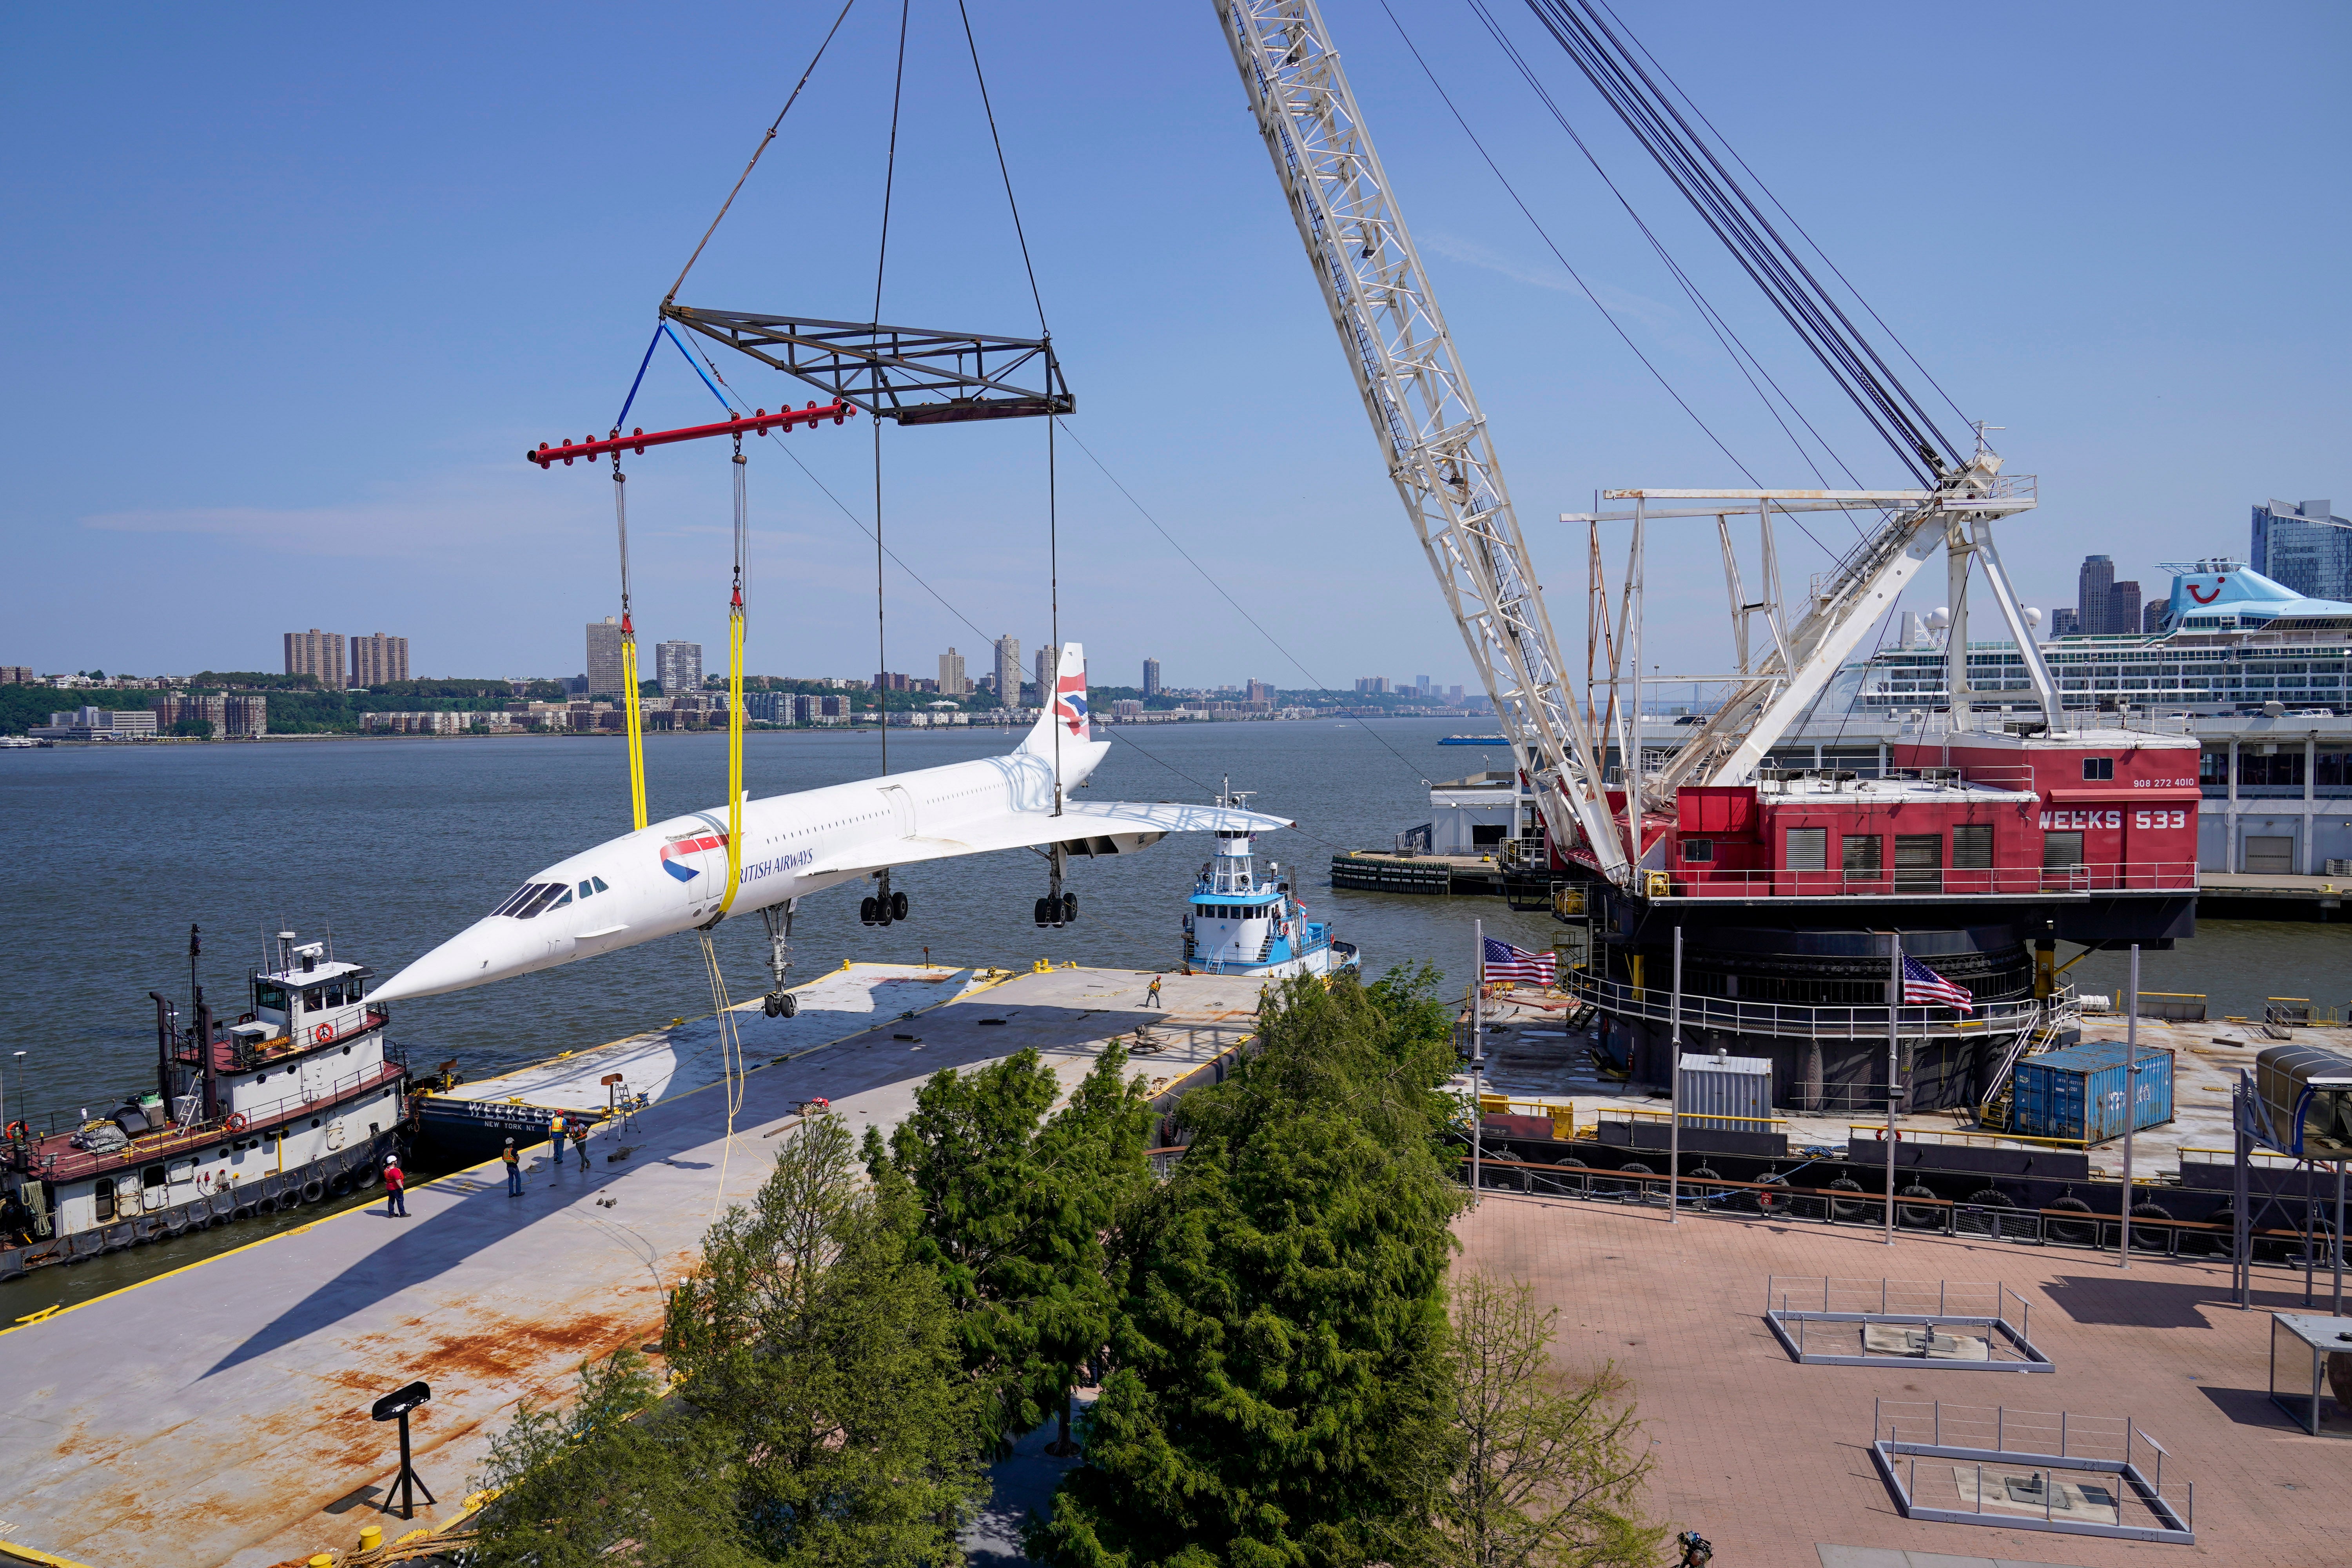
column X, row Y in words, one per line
column 290, row 288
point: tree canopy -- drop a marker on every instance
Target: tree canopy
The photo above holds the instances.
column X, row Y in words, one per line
column 1280, row 1375
column 1017, row 1209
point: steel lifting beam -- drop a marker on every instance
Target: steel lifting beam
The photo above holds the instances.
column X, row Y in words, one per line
column 916, row 376
column 638, row 440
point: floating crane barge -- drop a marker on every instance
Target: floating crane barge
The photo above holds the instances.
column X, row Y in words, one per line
column 1731, row 905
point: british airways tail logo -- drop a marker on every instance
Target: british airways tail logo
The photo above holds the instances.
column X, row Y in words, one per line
column 1070, row 702
column 683, row 847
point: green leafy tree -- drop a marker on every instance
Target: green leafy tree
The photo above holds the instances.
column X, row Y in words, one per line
column 1280, row 1380
column 610, row 1479
column 201, row 729
column 1017, row 1207
column 1545, row 1470
column 827, row 1357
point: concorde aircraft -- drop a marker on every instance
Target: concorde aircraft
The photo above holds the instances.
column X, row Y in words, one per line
column 671, row 877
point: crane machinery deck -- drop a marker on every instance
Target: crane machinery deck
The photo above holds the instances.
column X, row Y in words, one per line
column 1730, row 906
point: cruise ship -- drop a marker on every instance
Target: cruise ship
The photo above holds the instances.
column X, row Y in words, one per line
column 2231, row 641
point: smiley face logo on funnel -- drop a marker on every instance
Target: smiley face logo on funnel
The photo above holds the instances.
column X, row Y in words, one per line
column 673, row 853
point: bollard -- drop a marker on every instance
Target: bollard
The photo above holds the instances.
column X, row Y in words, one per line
column 323, row 1560
column 372, row 1538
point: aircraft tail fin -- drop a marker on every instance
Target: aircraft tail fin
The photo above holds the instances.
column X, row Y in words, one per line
column 1065, row 706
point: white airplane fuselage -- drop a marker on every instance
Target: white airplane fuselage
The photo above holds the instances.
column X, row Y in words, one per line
column 671, row 877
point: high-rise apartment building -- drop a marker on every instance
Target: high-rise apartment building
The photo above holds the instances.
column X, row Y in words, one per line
column 1371, row 684
column 893, row 680
column 1259, row 691
column 1008, row 671
column 678, row 667
column 246, row 718
column 1047, row 662
column 2097, row 577
column 16, row 675
column 605, row 677
column 173, row 711
column 951, row 680
column 2305, row 546
column 1152, row 678
column 2103, row 606
column 317, row 654
column 2065, row 622
column 2122, row 608
column 379, row 660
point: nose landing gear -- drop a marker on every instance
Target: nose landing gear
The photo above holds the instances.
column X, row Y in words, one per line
column 780, row 1003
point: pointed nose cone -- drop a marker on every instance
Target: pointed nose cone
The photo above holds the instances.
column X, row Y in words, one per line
column 486, row 950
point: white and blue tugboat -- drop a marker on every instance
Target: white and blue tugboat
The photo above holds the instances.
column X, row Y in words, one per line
column 1240, row 923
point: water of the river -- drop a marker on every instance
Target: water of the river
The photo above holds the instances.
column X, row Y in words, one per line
column 395, row 844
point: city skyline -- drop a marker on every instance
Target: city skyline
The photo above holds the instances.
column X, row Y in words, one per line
column 2158, row 381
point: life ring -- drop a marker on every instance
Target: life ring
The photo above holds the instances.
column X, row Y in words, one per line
column 17, row 1132
column 244, row 1017
column 322, row 1034
column 237, row 1121
column 1879, row 1134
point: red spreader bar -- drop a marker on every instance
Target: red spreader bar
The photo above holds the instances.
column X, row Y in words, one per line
column 638, row 440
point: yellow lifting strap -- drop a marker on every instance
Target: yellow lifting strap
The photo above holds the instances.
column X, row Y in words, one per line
column 629, row 655
column 735, row 701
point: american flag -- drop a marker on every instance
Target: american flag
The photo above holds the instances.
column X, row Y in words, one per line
column 1923, row 985
column 1505, row 961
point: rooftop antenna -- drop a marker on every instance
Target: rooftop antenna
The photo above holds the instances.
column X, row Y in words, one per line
column 1980, row 426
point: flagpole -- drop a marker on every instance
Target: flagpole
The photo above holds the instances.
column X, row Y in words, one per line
column 1674, row 1099
column 2131, row 1098
column 1477, row 1058
column 1894, row 1067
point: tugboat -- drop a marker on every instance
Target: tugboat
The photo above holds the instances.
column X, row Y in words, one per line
column 300, row 1100
column 1238, row 923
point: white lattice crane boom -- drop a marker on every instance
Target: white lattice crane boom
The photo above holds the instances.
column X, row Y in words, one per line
column 1439, row 452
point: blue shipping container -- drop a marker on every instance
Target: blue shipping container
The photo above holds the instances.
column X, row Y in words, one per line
column 2077, row 1092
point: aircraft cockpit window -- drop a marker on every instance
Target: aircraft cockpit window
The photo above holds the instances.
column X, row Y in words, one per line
column 562, row 901
column 540, row 895
column 515, row 901
column 600, row 884
column 586, row 889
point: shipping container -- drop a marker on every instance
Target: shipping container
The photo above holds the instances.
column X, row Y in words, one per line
column 1727, row 1094
column 2077, row 1092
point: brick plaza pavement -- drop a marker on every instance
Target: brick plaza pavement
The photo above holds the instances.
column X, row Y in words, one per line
column 1769, row 1459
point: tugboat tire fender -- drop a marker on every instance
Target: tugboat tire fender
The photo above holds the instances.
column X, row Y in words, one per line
column 342, row 1185
column 242, row 1210
column 313, row 1190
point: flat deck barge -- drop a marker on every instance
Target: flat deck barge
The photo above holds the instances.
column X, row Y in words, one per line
column 219, row 1414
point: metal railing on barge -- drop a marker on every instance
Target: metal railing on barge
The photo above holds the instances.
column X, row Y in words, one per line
column 1654, row 1003
column 1916, row 1210
column 1699, row 881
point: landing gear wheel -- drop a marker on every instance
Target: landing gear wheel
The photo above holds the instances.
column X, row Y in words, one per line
column 1042, row 918
column 1069, row 908
column 898, row 906
column 787, row 1006
column 768, row 1004
column 866, row 909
